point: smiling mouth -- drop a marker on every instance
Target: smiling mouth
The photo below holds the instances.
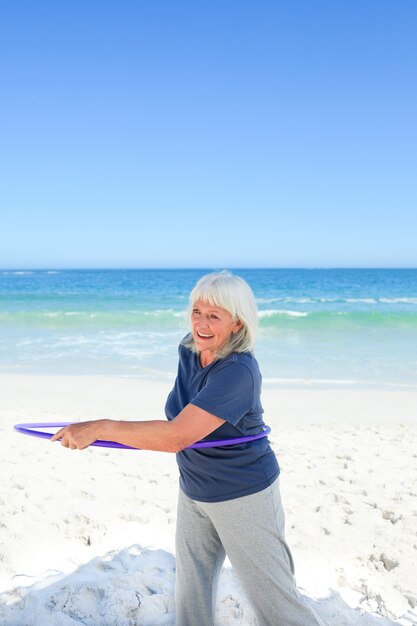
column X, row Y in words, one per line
column 203, row 336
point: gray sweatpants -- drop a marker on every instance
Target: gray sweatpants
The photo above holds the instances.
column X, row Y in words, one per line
column 250, row 530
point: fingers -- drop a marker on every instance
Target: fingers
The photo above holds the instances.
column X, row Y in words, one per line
column 64, row 434
column 76, row 436
column 58, row 434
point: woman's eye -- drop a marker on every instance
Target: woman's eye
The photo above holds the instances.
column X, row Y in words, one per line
column 214, row 317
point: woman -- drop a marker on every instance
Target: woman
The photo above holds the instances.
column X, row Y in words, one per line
column 229, row 501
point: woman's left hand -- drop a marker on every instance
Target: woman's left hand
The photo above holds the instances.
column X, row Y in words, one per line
column 78, row 436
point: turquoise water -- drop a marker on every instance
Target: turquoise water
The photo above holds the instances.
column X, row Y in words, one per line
column 323, row 327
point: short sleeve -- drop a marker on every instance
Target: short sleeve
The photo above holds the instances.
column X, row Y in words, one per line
column 228, row 392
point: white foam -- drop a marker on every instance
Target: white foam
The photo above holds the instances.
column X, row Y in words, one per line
column 398, row 300
column 272, row 312
column 303, row 300
column 158, row 312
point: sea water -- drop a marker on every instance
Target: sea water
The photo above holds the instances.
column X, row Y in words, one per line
column 327, row 327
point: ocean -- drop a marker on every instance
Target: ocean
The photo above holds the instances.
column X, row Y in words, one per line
column 319, row 327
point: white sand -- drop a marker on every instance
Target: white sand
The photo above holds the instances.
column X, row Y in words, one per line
column 88, row 537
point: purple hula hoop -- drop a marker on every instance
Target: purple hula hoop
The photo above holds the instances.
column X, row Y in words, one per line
column 32, row 430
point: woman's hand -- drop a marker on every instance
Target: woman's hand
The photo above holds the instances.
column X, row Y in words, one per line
column 78, row 436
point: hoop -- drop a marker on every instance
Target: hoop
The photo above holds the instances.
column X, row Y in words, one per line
column 32, row 430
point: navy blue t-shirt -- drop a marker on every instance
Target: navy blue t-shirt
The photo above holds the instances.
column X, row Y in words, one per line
column 229, row 388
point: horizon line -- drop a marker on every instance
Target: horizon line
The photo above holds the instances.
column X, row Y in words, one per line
column 201, row 267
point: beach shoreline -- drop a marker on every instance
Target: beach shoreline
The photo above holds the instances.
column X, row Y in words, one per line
column 348, row 465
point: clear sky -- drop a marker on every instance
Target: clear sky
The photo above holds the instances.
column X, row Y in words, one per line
column 183, row 133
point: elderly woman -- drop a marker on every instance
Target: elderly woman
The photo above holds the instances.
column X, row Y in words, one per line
column 229, row 500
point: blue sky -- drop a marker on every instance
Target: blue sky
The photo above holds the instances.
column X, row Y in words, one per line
column 238, row 133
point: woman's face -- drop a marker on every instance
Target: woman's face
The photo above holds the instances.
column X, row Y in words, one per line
column 211, row 328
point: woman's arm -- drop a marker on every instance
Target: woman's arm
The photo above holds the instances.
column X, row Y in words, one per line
column 191, row 425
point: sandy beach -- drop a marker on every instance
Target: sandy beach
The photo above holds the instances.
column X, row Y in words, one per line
column 88, row 537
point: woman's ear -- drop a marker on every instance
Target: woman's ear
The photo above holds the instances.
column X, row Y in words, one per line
column 238, row 325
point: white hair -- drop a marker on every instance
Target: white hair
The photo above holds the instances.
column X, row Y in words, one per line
column 232, row 293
